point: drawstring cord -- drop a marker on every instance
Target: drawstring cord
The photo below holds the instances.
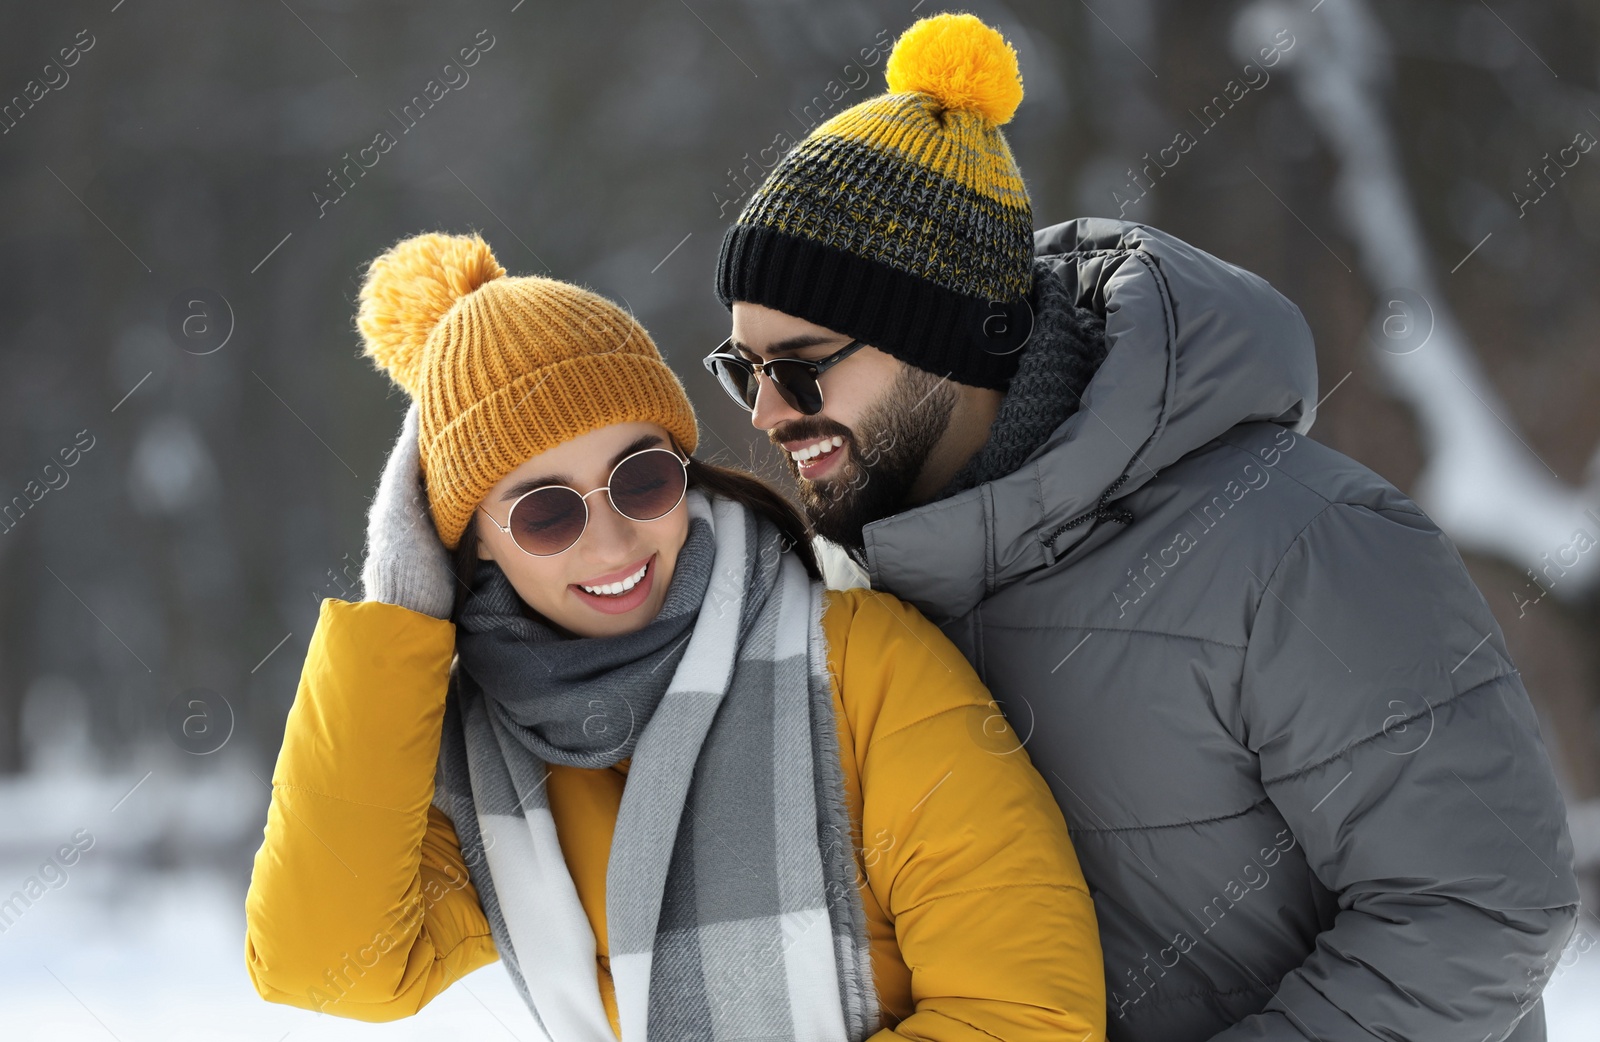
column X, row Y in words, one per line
column 1101, row 512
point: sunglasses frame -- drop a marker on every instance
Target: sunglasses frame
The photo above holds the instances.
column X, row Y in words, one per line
column 726, row 353
column 584, row 497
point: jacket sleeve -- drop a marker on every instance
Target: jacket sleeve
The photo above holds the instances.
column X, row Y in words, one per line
column 359, row 902
column 1397, row 741
column 962, row 845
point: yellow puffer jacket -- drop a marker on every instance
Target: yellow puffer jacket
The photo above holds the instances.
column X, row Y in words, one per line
column 981, row 925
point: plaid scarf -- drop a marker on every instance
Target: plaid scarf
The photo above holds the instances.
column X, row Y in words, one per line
column 731, row 901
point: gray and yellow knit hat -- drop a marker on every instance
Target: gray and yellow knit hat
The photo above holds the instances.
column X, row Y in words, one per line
column 903, row 221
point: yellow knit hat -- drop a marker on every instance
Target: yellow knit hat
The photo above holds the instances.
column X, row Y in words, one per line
column 504, row 368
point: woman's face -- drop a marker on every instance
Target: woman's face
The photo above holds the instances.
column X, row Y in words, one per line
column 612, row 549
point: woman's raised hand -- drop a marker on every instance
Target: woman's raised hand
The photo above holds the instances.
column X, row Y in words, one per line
column 406, row 562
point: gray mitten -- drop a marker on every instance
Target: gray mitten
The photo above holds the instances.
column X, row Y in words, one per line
column 406, row 563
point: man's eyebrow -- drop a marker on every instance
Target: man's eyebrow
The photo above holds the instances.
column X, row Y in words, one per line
column 785, row 347
column 643, row 441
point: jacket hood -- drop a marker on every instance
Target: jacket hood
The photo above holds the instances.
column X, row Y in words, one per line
column 1195, row 346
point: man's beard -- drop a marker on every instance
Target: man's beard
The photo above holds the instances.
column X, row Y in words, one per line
column 887, row 452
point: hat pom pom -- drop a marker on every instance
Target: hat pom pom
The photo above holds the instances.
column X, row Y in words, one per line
column 959, row 60
column 407, row 290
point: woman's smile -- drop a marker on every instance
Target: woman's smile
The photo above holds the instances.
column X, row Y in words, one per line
column 620, row 590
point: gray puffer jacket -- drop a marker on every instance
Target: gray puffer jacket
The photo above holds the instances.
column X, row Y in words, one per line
column 1302, row 775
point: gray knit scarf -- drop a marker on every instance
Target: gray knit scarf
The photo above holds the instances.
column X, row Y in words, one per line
column 1067, row 345
column 731, row 901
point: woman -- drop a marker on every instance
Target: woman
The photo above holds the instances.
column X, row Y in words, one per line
column 681, row 789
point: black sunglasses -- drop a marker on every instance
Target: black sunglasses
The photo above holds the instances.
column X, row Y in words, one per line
column 795, row 378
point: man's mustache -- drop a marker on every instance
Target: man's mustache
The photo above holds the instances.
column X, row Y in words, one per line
column 805, row 429
column 810, row 427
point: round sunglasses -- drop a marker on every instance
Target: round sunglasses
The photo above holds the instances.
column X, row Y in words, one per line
column 644, row 486
column 795, row 378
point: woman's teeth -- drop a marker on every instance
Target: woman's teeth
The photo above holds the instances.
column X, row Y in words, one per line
column 613, row 589
column 823, row 447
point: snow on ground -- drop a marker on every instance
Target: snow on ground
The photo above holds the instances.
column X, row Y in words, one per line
column 1572, row 1001
column 160, row 958
column 117, row 951
column 125, row 952
column 163, row 961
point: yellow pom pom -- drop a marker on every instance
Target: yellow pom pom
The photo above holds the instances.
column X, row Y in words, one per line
column 408, row 288
column 960, row 61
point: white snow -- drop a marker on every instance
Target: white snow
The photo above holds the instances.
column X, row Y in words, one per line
column 136, row 942
column 135, row 955
column 131, row 950
column 143, row 956
column 1481, row 481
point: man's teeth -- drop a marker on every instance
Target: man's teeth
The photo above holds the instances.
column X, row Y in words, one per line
column 612, row 589
column 812, row 451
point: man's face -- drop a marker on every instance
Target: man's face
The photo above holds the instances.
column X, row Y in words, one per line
column 857, row 459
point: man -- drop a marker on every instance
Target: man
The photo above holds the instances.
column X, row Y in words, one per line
column 1304, row 780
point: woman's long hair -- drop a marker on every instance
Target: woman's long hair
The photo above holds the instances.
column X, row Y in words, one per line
column 740, row 486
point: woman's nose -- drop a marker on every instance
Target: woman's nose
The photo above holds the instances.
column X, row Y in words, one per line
column 607, row 527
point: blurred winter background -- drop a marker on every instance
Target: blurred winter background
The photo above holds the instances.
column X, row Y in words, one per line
column 188, row 438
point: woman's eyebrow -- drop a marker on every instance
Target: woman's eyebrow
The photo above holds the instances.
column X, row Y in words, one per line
column 643, row 441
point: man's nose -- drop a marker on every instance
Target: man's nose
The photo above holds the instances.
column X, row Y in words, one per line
column 770, row 409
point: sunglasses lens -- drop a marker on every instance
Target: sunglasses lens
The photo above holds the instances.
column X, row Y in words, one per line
column 797, row 383
column 648, row 484
column 739, row 382
column 548, row 521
